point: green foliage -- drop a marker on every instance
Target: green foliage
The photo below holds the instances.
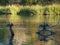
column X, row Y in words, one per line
column 30, row 2
column 23, row 2
column 52, row 10
column 40, row 2
column 4, row 11
column 3, row 2
column 27, row 12
column 46, row 11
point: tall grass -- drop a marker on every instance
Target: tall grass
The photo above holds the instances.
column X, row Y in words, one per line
column 52, row 9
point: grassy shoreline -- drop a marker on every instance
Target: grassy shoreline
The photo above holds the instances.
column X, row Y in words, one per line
column 51, row 9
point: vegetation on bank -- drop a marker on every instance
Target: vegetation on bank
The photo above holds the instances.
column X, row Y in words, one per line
column 29, row 2
column 39, row 2
column 40, row 10
column 4, row 11
column 27, row 12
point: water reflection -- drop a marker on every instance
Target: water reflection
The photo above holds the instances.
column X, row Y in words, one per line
column 24, row 30
column 1, row 43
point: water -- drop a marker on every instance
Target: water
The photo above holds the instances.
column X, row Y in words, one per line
column 24, row 30
column 1, row 43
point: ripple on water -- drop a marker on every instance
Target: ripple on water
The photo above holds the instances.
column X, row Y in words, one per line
column 1, row 43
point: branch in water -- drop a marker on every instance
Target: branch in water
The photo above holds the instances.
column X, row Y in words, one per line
column 12, row 34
